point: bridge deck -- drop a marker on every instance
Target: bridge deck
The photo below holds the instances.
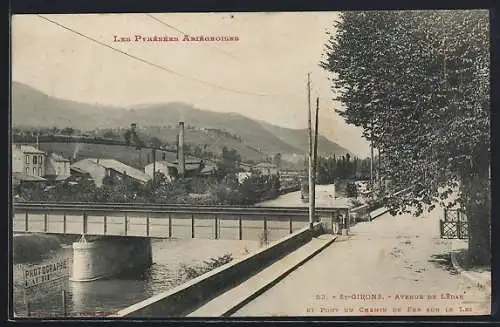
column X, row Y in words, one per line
column 162, row 221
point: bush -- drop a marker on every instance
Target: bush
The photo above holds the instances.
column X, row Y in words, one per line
column 351, row 190
column 33, row 247
column 356, row 203
column 190, row 272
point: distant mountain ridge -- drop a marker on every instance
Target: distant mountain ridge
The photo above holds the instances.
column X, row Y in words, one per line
column 31, row 107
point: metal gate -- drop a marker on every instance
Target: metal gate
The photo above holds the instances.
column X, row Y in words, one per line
column 454, row 224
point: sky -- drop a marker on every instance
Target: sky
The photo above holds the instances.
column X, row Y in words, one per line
column 262, row 75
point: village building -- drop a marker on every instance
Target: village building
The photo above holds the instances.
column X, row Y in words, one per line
column 266, row 168
column 57, row 168
column 243, row 176
column 207, row 170
column 170, row 168
column 19, row 178
column 78, row 175
column 28, row 160
column 98, row 169
column 162, row 166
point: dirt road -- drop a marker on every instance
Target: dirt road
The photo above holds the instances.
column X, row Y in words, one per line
column 390, row 266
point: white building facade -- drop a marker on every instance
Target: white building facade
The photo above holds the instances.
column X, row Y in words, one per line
column 28, row 160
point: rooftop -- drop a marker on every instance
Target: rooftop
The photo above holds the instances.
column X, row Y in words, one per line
column 208, row 168
column 188, row 165
column 26, row 148
column 91, row 166
column 123, row 168
column 78, row 170
column 172, row 156
column 27, row 178
column 265, row 165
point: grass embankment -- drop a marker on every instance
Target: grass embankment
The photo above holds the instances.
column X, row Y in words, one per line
column 33, row 247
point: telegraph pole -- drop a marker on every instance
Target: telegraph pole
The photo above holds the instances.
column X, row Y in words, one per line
column 309, row 129
column 371, row 163
column 378, row 168
column 154, row 165
column 315, row 158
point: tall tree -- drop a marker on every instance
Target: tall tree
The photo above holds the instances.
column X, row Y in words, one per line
column 155, row 142
column 229, row 163
column 417, row 82
column 277, row 160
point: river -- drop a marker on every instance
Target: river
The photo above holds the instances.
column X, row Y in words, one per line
column 105, row 297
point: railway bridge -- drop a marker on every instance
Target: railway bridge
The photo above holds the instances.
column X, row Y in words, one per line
column 117, row 236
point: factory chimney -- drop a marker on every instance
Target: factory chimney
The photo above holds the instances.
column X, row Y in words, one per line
column 180, row 151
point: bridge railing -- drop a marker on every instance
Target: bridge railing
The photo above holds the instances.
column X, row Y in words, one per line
column 367, row 212
column 163, row 221
column 360, row 213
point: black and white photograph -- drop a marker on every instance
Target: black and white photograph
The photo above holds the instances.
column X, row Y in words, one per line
column 250, row 164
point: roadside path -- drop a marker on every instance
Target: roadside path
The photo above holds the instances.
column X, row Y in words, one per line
column 392, row 258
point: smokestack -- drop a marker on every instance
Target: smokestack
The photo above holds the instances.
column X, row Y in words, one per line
column 180, row 151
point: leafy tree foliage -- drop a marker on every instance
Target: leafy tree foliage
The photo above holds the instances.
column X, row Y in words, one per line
column 417, row 82
column 277, row 160
column 67, row 131
column 331, row 169
column 227, row 191
column 352, row 190
column 155, row 142
column 229, row 162
column 258, row 187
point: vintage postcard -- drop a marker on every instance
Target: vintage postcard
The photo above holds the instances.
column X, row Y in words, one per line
column 295, row 164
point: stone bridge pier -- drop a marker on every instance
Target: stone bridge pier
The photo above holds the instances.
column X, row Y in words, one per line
column 109, row 256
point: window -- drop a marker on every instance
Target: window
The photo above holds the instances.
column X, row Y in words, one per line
column 40, row 172
column 41, row 160
column 27, row 159
column 34, row 171
column 35, row 160
column 27, row 170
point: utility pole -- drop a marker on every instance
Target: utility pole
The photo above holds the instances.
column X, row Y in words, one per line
column 315, row 158
column 378, row 168
column 309, row 129
column 154, row 165
column 371, row 163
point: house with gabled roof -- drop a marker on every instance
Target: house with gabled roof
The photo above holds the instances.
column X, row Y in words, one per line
column 98, row 169
column 57, row 168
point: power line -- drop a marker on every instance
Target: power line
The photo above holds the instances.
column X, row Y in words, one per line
column 210, row 45
column 166, row 24
column 184, row 33
column 152, row 63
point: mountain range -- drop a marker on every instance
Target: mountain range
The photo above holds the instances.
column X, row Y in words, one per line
column 251, row 138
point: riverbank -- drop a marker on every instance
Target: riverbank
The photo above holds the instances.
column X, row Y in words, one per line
column 174, row 260
column 33, row 247
column 326, row 196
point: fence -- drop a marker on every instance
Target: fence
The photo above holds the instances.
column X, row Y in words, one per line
column 454, row 224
